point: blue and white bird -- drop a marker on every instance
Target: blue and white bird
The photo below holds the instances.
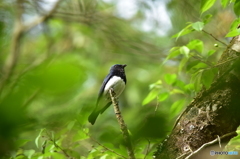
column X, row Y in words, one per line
column 116, row 79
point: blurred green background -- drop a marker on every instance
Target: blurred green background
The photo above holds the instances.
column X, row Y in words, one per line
column 51, row 73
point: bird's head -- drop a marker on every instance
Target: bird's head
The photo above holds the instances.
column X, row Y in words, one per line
column 117, row 67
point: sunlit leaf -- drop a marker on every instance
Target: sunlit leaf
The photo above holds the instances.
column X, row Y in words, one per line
column 151, row 95
column 197, row 67
column 177, row 91
column 177, row 107
column 183, row 63
column 163, row 96
column 207, row 19
column 157, row 84
column 211, row 52
column 198, row 26
column 189, row 87
column 185, row 51
column 206, row 4
column 196, row 80
column 224, row 3
column 29, row 153
column 104, row 156
column 236, row 8
column 170, row 78
column 71, row 124
column 208, row 77
column 188, row 29
column 195, row 45
column 81, row 135
column 233, row 33
column 235, row 24
column 173, row 53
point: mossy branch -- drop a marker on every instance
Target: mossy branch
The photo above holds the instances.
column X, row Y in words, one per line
column 122, row 124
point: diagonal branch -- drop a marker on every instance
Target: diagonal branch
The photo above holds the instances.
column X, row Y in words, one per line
column 214, row 37
column 210, row 143
column 41, row 19
column 18, row 31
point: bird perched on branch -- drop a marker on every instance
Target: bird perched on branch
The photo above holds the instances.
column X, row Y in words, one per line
column 116, row 79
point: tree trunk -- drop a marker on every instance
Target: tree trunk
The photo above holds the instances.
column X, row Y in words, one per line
column 212, row 117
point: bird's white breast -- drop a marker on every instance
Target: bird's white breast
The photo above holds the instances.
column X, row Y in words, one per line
column 117, row 84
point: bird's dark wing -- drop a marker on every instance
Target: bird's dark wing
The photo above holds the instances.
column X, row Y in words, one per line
column 93, row 116
column 103, row 86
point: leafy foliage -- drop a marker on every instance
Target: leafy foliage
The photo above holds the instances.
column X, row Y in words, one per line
column 45, row 102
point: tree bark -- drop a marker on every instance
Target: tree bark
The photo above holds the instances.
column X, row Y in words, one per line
column 214, row 114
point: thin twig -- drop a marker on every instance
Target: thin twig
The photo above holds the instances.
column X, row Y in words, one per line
column 106, row 147
column 123, row 126
column 219, row 141
column 210, row 143
column 214, row 37
column 56, row 145
column 181, row 156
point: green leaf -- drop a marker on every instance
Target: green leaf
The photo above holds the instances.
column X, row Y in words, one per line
column 21, row 142
column 206, row 4
column 177, row 91
column 170, row 78
column 210, row 52
column 71, row 124
column 163, row 96
column 157, row 84
column 151, row 95
column 233, row 33
column 236, row 8
column 185, row 51
column 208, row 77
column 177, row 107
column 183, row 63
column 207, row 19
column 224, row 3
column 188, row 29
column 29, row 153
column 173, row 52
column 195, row 45
column 104, row 156
column 189, row 87
column 197, row 67
column 196, row 80
column 235, row 24
column 198, row 26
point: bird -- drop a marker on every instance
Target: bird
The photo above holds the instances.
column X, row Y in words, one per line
column 116, row 80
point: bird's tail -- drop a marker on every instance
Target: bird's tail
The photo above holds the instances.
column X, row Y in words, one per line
column 93, row 116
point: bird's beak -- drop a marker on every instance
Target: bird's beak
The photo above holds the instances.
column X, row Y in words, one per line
column 124, row 65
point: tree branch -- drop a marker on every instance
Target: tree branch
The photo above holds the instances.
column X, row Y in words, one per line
column 18, row 31
column 122, row 124
column 218, row 139
column 41, row 19
column 214, row 37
